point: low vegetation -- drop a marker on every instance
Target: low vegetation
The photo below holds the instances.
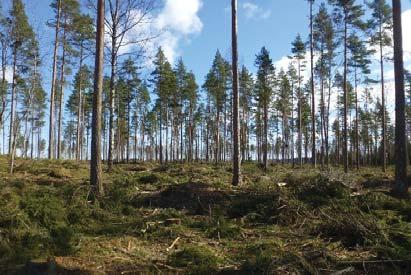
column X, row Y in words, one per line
column 187, row 218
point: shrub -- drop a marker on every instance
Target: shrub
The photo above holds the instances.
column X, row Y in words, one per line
column 149, row 179
column 61, row 240
column 45, row 209
column 319, row 191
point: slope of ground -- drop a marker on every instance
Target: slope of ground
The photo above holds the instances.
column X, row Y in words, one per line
column 185, row 218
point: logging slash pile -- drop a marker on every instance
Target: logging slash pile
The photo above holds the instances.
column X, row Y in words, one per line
column 184, row 218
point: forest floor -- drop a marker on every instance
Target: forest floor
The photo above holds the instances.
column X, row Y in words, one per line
column 187, row 219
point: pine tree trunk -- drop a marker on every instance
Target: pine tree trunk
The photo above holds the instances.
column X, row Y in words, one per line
column 383, row 118
column 79, row 107
column 345, row 83
column 161, row 136
column 313, row 149
column 128, row 128
column 300, row 121
column 166, row 138
column 95, row 164
column 53, row 84
column 12, row 102
column 13, row 147
column 3, row 88
column 217, row 137
column 61, row 99
column 401, row 162
column 322, row 116
column 292, row 126
column 265, row 142
column 236, row 121
column 111, row 103
column 357, row 135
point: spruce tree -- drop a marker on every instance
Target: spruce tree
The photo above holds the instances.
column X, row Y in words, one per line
column 264, row 91
column 216, row 86
column 298, row 54
column 246, row 89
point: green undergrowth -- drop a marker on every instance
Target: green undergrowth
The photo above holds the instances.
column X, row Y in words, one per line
column 280, row 221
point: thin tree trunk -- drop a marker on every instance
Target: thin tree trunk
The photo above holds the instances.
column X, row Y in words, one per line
column 345, row 83
column 3, row 88
column 60, row 118
column 300, row 121
column 313, row 149
column 265, row 145
column 383, row 118
column 111, row 109
column 80, row 103
column 53, row 84
column 13, row 97
column 357, row 135
column 236, row 120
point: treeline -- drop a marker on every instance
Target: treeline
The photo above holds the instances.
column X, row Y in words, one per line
column 327, row 106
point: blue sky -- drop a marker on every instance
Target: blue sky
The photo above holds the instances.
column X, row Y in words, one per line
column 274, row 25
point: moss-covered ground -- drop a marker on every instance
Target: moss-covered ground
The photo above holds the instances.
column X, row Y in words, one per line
column 187, row 219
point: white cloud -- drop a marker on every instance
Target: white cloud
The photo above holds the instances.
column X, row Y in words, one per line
column 175, row 23
column 181, row 16
column 170, row 45
column 178, row 20
column 9, row 73
column 253, row 11
column 284, row 62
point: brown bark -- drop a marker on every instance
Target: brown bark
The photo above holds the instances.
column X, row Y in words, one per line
column 401, row 162
column 95, row 164
column 236, row 125
column 313, row 148
column 345, row 83
column 61, row 99
column 53, row 84
column 79, row 110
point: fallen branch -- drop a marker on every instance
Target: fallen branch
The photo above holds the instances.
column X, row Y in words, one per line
column 173, row 244
column 376, row 261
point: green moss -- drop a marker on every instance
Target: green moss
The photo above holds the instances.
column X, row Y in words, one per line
column 197, row 259
column 218, row 227
column 259, row 256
